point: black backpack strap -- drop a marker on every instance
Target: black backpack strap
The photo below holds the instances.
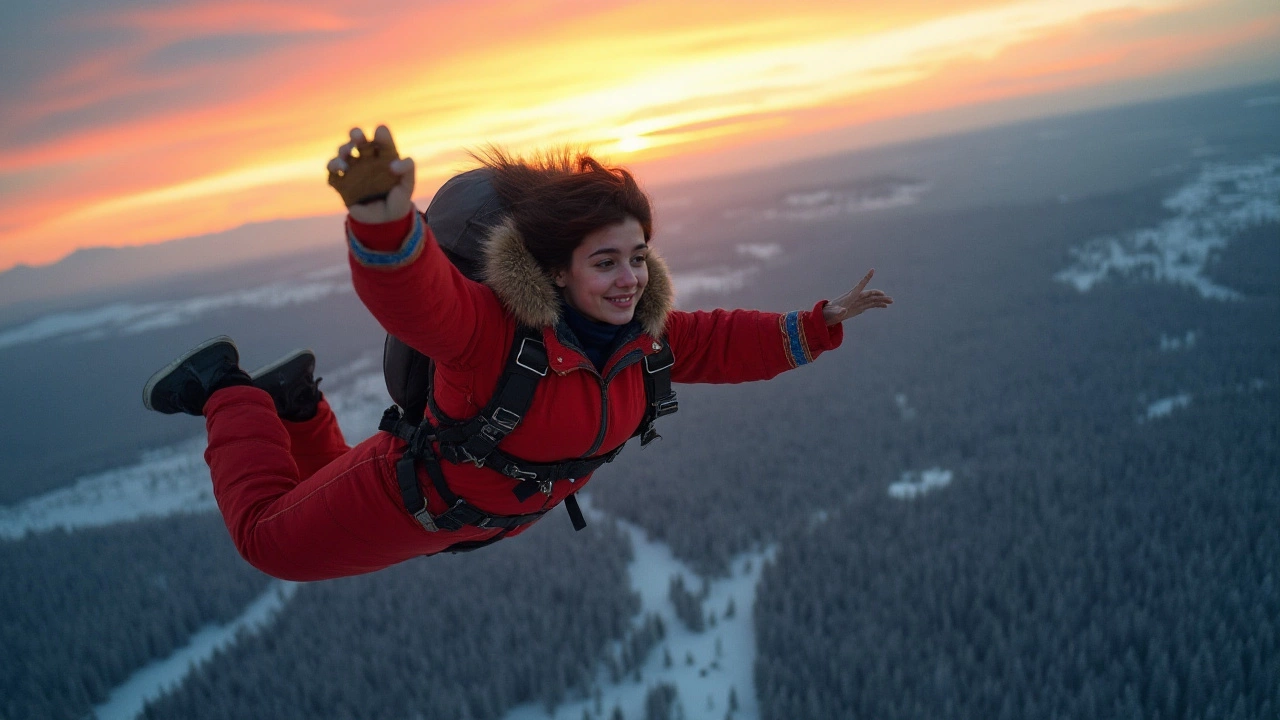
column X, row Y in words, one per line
column 660, row 399
column 475, row 439
column 535, row 477
column 460, row 512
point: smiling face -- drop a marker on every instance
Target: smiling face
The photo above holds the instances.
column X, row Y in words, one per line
column 607, row 274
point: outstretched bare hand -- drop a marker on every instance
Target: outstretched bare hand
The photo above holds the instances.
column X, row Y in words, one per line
column 855, row 302
column 373, row 190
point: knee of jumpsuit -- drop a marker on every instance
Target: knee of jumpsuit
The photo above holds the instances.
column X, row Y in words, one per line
column 346, row 519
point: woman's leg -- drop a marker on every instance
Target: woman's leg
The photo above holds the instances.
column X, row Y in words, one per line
column 345, row 519
column 316, row 442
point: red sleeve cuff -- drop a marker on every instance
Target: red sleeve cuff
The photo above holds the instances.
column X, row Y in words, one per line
column 381, row 237
column 820, row 335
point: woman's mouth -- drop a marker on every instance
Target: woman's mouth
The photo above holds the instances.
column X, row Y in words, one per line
column 621, row 301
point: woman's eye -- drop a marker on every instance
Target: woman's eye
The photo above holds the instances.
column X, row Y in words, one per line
column 604, row 264
column 637, row 260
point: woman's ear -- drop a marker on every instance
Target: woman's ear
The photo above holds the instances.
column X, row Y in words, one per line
column 559, row 277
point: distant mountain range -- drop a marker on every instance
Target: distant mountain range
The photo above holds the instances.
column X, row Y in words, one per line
column 101, row 269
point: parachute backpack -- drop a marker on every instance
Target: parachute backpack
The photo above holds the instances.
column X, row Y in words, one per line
column 460, row 216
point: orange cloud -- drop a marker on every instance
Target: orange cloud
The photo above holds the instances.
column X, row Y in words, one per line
column 203, row 146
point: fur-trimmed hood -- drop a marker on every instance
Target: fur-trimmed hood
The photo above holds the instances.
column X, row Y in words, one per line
column 529, row 293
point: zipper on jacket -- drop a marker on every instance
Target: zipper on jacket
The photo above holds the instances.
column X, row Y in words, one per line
column 624, row 363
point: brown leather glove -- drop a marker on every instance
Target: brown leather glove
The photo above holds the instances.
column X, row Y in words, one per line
column 368, row 176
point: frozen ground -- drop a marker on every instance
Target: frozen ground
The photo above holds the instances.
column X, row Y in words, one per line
column 705, row 667
column 126, row 318
column 128, row 700
column 821, row 204
column 1207, row 213
column 1185, row 341
column 175, row 479
column 915, row 483
column 905, row 411
column 1165, row 406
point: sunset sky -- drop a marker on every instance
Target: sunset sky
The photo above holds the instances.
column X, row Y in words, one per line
column 128, row 122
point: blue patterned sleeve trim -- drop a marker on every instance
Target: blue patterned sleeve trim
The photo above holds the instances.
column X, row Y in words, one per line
column 797, row 348
column 407, row 252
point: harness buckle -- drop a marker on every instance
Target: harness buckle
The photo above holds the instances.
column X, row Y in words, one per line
column 505, row 419
column 666, row 406
column 468, row 457
column 492, row 433
column 669, row 357
column 446, row 519
column 514, row 472
column 532, row 358
column 425, row 520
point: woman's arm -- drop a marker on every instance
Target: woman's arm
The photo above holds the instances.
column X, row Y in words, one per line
column 398, row 270
column 732, row 346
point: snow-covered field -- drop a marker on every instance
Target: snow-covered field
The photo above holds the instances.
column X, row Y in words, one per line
column 148, row 683
column 1186, row 341
column 1207, row 213
column 716, row 281
column 905, row 411
column 127, row 318
column 915, row 483
column 826, row 203
column 1165, row 406
column 704, row 667
column 175, row 479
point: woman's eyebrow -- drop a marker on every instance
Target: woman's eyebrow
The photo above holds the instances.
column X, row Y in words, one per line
column 615, row 251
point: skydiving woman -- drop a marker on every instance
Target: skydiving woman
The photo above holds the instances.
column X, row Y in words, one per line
column 572, row 264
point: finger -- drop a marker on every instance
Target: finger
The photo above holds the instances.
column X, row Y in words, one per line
column 338, row 165
column 382, row 136
column 356, row 135
column 403, row 166
column 866, row 279
column 345, row 151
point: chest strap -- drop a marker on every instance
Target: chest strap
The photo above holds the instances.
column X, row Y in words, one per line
column 460, row 512
column 660, row 399
column 476, row 440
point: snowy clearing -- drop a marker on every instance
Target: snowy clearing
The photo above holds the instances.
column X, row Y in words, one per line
column 915, row 483
column 822, row 204
column 150, row 682
column 705, row 668
column 1174, row 342
column 905, row 411
column 1165, row 406
column 760, row 251
column 717, row 281
column 175, row 479
column 1223, row 201
column 127, row 318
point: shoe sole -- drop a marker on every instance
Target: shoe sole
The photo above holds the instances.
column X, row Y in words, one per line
column 164, row 372
column 280, row 362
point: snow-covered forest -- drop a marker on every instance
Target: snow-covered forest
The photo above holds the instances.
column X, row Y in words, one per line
column 1043, row 484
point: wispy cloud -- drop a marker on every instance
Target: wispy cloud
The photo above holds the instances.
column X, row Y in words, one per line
column 201, row 116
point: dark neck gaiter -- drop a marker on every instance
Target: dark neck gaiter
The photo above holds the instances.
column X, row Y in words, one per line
column 597, row 338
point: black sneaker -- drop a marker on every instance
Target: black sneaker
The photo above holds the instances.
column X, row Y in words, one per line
column 184, row 385
column 292, row 384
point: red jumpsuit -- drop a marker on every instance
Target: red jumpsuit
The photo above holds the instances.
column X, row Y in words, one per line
column 301, row 505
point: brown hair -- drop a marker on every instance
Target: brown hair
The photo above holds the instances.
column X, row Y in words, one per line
column 557, row 198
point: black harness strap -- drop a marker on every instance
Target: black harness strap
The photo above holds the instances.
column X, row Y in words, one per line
column 473, row 440
column 660, row 399
column 460, row 512
column 476, row 441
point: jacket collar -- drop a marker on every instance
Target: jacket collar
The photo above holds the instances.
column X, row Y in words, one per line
column 530, row 295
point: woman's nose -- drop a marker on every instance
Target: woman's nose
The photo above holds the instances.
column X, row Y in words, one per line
column 627, row 277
